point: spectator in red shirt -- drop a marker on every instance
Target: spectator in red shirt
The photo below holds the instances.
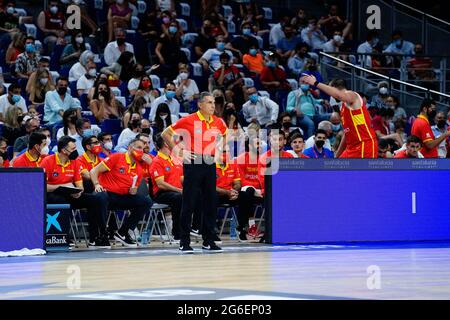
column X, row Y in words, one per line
column 422, row 129
column 62, row 170
column 380, row 124
column 272, row 76
column 413, row 145
column 117, row 179
column 229, row 79
column 420, row 67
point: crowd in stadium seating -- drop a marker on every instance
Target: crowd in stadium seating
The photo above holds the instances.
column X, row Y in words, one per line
column 136, row 67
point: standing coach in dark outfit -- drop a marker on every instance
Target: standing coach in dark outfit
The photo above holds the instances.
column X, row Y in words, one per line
column 201, row 133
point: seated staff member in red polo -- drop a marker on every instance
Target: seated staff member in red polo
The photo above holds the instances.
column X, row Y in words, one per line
column 201, row 132
column 277, row 140
column 422, row 129
column 147, row 158
column 116, row 179
column 37, row 146
column 88, row 160
column 167, row 182
column 247, row 164
column 62, row 169
column 413, row 145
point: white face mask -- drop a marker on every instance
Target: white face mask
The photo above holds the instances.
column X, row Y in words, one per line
column 92, row 72
column 43, row 81
column 337, row 38
column 108, row 146
column 79, row 40
column 54, row 9
column 184, row 75
column 49, row 141
column 45, row 150
column 383, row 90
column 164, row 117
column 143, row 111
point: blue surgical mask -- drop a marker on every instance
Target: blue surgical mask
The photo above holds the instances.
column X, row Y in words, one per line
column 15, row 98
column 170, row 94
column 271, row 64
column 173, row 30
column 246, row 31
column 253, row 52
column 398, row 43
column 29, row 48
column 254, row 98
column 304, row 87
column 88, row 133
column 221, row 46
column 336, row 127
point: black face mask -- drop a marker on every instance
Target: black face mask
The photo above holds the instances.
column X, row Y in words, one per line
column 320, row 144
column 20, row 119
column 120, row 41
column 135, row 124
column 139, row 73
column 219, row 100
column 312, row 68
column 62, row 91
column 441, row 124
column 287, row 125
column 73, row 155
column 146, row 130
column 432, row 114
column 73, row 119
column 4, row 156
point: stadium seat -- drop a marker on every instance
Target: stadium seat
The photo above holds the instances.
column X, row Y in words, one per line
column 293, row 83
column 98, row 4
column 248, row 82
column 264, row 93
column 134, row 22
column 84, row 102
column 183, row 24
column 115, row 139
column 142, row 7
column 231, row 27
column 55, row 75
column 185, row 9
column 112, row 126
column 188, row 39
column 122, row 100
column 227, row 11
column 21, row 12
column 73, row 88
column 156, row 81
column 187, row 52
column 267, row 13
column 116, row 91
column 31, row 30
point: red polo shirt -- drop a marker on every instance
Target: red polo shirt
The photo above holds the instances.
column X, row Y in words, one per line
column 200, row 135
column 402, row 155
column 163, row 168
column 58, row 173
column 119, row 177
column 248, row 171
column 25, row 160
column 226, row 175
column 86, row 164
column 262, row 164
column 6, row 164
column 422, row 129
column 146, row 168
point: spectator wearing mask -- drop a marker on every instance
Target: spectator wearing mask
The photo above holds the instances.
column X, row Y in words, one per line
column 326, row 126
column 367, row 48
column 169, row 98
column 37, row 147
column 72, row 127
column 80, row 68
column 146, row 90
column 12, row 128
column 4, row 162
column 12, row 99
column 205, row 39
column 379, row 100
column 169, row 52
column 88, row 160
column 27, row 62
column 86, row 82
column 9, row 20
column 187, row 90
column 260, row 110
column 413, row 145
column 305, row 106
column 276, row 32
column 72, row 51
column 297, row 143
column 114, row 49
column 106, row 142
column 62, row 170
column 393, row 103
column 297, row 62
column 130, row 133
column 138, row 105
column 241, row 44
column 273, row 78
column 119, row 16
column 116, row 181
column 137, row 74
column 286, row 45
column 439, row 129
column 254, row 60
column 286, row 124
column 399, row 45
column 229, row 79
column 122, row 69
column 38, row 86
column 211, row 58
column 422, row 129
column 313, row 36
column 104, row 104
column 167, row 182
column 338, row 130
column 20, row 144
column 52, row 22
column 163, row 119
column 318, row 151
column 58, row 101
column 333, row 45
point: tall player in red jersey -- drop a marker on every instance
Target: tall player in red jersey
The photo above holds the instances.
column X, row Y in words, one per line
column 360, row 140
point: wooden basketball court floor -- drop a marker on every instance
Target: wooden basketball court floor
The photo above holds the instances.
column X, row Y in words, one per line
column 243, row 271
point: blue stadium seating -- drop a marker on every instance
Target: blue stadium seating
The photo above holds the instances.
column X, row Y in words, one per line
column 113, row 126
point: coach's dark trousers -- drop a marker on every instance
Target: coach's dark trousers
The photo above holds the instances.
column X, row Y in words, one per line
column 199, row 187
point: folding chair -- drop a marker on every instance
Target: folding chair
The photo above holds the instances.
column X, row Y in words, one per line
column 76, row 226
column 152, row 221
column 227, row 208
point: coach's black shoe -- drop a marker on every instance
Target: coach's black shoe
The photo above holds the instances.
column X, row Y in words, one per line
column 211, row 247
column 216, row 239
column 186, row 249
column 125, row 240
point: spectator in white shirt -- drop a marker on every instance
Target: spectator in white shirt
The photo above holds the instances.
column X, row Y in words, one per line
column 399, row 45
column 211, row 58
column 368, row 48
column 115, row 48
column 187, row 89
column 86, row 82
column 58, row 101
column 327, row 126
column 297, row 62
column 260, row 110
column 12, row 99
column 80, row 68
column 439, row 129
column 332, row 46
column 130, row 133
column 313, row 36
column 169, row 97
column 276, row 32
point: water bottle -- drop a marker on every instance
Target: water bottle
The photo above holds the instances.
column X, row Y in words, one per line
column 233, row 235
column 145, row 237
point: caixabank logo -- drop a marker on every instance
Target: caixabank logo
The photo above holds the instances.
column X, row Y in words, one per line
column 55, row 235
